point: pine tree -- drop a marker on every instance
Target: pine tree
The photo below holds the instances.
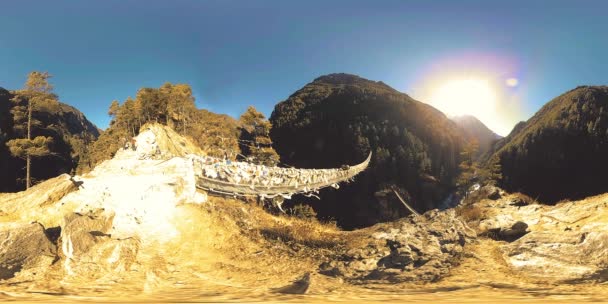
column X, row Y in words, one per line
column 255, row 130
column 37, row 92
column 492, row 172
column 129, row 116
column 114, row 108
column 153, row 105
column 180, row 105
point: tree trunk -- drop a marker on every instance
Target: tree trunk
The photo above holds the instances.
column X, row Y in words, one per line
column 27, row 172
column 28, row 161
column 129, row 129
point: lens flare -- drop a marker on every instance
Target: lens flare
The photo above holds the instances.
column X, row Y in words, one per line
column 465, row 96
column 486, row 84
column 512, row 82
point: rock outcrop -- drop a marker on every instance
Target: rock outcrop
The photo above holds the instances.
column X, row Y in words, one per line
column 417, row 248
column 26, row 204
column 563, row 243
column 89, row 249
column 570, row 256
column 567, row 243
column 24, row 248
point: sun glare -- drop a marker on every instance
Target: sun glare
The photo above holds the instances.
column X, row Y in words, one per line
column 467, row 96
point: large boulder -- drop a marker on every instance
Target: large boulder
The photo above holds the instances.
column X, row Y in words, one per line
column 503, row 227
column 24, row 248
column 569, row 256
column 478, row 193
column 90, row 250
column 82, row 231
column 417, row 248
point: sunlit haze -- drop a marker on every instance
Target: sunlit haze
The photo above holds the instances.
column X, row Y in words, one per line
column 466, row 97
column 487, row 85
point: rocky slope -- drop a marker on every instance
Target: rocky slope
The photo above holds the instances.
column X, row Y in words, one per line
column 565, row 243
column 137, row 226
column 340, row 118
column 559, row 153
column 72, row 133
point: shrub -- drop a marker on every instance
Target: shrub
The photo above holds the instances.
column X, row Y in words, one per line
column 303, row 211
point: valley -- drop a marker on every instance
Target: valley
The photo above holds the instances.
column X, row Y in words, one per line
column 144, row 219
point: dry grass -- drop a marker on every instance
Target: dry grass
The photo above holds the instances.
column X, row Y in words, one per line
column 471, row 213
column 302, row 211
column 252, row 219
column 309, row 233
column 236, row 243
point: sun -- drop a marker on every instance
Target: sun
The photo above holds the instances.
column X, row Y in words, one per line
column 465, row 97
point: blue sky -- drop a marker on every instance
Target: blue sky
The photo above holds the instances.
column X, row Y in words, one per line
column 237, row 53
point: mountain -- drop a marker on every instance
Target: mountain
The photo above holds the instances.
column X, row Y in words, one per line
column 71, row 132
column 474, row 129
column 561, row 151
column 339, row 118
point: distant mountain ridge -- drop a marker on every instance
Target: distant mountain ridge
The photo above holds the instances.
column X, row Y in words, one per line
column 476, row 130
column 561, row 151
column 339, row 118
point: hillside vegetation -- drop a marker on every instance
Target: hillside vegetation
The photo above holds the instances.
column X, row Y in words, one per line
column 57, row 138
column 561, row 151
column 339, row 118
column 173, row 105
column 67, row 135
column 475, row 130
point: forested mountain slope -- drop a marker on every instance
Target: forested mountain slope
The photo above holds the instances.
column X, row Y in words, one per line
column 339, row 118
column 475, row 130
column 561, row 151
column 69, row 129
